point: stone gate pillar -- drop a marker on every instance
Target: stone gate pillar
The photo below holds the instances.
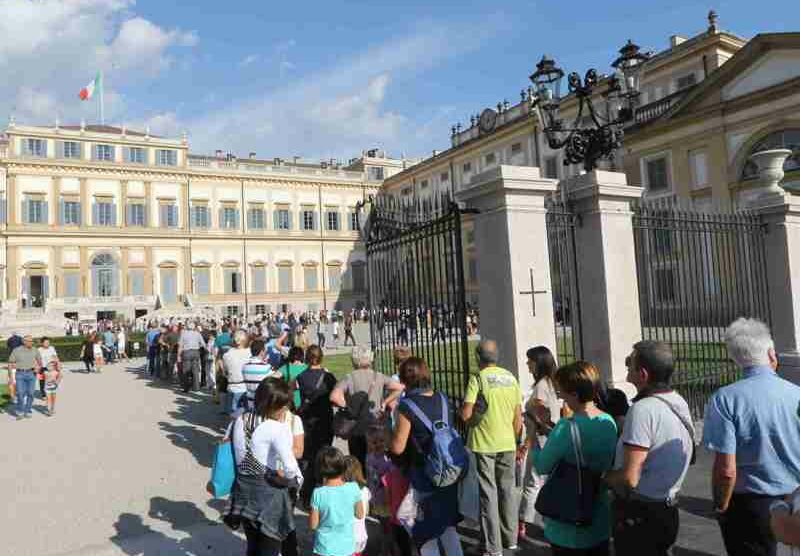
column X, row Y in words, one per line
column 516, row 305
column 780, row 211
column 607, row 280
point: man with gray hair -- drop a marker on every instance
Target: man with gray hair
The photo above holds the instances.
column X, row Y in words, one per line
column 753, row 427
column 367, row 394
column 493, row 408
column 190, row 345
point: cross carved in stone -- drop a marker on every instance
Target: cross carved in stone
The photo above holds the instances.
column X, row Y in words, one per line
column 532, row 292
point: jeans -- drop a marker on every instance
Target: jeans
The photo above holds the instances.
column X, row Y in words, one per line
column 191, row 367
column 152, row 360
column 745, row 526
column 498, row 496
column 258, row 544
column 450, row 541
column 644, row 528
column 531, row 485
column 26, row 387
column 236, row 400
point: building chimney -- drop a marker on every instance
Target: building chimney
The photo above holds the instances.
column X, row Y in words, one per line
column 252, row 155
column 675, row 40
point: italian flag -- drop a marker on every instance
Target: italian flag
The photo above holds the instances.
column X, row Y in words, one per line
column 96, row 85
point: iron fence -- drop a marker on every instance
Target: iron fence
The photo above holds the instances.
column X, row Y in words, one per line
column 697, row 272
column 561, row 224
column 415, row 274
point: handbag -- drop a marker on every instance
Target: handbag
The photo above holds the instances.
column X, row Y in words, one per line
column 570, row 491
column 223, row 472
column 481, row 405
column 307, row 401
column 346, row 421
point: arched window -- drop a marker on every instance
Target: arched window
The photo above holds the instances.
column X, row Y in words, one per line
column 105, row 274
column 783, row 139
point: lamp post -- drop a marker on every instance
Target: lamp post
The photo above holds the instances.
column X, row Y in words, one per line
column 604, row 133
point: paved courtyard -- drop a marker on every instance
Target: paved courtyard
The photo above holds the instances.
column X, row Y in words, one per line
column 121, row 470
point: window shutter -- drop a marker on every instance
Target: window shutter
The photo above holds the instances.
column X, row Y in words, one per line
column 25, row 215
column 236, row 220
column 113, row 214
column 163, row 216
column 46, row 287
column 44, row 213
column 221, row 219
column 289, row 214
column 129, row 215
column 61, row 215
column 95, row 215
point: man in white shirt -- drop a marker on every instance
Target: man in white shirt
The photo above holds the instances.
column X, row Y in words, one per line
column 190, row 345
column 233, row 361
column 47, row 353
column 657, row 446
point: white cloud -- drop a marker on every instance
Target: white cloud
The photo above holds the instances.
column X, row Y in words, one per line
column 341, row 110
column 49, row 49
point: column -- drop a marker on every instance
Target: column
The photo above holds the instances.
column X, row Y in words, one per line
column 607, row 280
column 11, row 201
column 780, row 211
column 187, row 270
column 148, row 209
column 148, row 269
column 84, row 254
column 86, row 207
column 183, row 206
column 54, row 216
column 57, row 272
column 12, row 271
column 123, row 265
column 511, row 244
column 123, row 204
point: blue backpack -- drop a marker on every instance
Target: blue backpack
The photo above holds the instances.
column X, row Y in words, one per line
column 447, row 460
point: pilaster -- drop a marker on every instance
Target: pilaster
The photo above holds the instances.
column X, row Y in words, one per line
column 148, row 209
column 123, row 264
column 12, row 201
column 56, row 271
column 148, row 269
column 84, row 256
column 122, row 206
column 12, row 271
column 86, row 207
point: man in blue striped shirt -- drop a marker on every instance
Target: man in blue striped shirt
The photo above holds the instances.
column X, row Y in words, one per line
column 255, row 370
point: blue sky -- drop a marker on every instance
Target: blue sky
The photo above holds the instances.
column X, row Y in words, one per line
column 320, row 79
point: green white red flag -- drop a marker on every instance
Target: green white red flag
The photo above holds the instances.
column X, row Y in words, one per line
column 96, row 86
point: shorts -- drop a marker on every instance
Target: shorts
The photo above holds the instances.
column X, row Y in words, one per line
column 50, row 387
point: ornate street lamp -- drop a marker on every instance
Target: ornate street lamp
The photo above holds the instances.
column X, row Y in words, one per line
column 604, row 133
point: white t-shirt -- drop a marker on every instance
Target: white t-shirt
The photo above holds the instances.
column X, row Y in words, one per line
column 47, row 354
column 360, row 525
column 271, row 445
column 234, row 360
column 651, row 424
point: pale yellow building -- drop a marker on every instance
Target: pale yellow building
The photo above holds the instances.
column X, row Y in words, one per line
column 99, row 220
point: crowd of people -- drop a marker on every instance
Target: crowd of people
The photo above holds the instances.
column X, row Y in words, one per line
column 28, row 365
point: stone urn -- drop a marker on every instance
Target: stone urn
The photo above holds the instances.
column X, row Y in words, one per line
column 770, row 169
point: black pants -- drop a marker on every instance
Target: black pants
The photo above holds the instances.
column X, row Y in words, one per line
column 597, row 550
column 315, row 440
column 41, row 386
column 321, row 340
column 644, row 528
column 745, row 526
column 348, row 334
column 357, row 446
column 259, row 544
column 89, row 365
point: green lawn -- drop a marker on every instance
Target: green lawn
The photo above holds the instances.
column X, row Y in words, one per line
column 5, row 399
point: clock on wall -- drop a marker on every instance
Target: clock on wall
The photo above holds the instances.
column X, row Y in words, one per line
column 487, row 120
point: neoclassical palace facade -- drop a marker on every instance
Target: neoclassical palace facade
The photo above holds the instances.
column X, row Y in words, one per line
column 99, row 220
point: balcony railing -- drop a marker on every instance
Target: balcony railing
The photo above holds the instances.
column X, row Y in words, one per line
column 653, row 110
column 244, row 166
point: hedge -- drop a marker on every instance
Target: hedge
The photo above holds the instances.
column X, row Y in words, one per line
column 69, row 347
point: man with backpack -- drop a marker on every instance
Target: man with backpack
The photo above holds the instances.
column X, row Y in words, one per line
column 653, row 456
column 493, row 408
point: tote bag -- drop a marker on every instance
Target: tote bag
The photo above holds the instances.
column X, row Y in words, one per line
column 223, row 472
column 571, row 490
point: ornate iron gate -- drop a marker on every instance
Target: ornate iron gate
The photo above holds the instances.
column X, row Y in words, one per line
column 561, row 224
column 697, row 272
column 416, row 294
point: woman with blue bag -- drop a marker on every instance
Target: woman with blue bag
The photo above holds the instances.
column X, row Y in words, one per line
column 266, row 471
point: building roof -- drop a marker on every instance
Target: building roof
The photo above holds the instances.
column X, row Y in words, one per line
column 94, row 128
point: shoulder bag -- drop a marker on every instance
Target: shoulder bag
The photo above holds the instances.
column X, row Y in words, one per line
column 309, row 400
column 687, row 426
column 570, row 491
column 223, row 472
column 481, row 405
column 347, row 419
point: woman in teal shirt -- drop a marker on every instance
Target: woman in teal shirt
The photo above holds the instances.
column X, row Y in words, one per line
column 291, row 370
column 577, row 384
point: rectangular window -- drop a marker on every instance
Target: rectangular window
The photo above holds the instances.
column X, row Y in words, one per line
column 35, row 211
column 698, row 167
column 665, row 285
column 260, row 309
column 233, row 281
column 333, row 220
column 136, row 155
column 359, row 277
column 72, row 284
column 105, row 214
column 202, row 280
column 3, row 211
column 283, row 219
column 104, row 152
column 166, row 157
column 309, row 219
column 516, row 148
column 255, row 219
column 34, row 147
column 551, row 167
column 232, row 311
column 284, row 279
column 310, row 278
column 444, row 177
column 657, row 176
column 490, row 158
column 200, row 217
column 136, row 281
column 71, row 213
column 354, row 221
column 374, row 173
column 136, row 212
column 686, row 81
column 334, row 277
column 467, row 167
column 230, row 218
column 70, row 149
column 259, row 279
column 169, row 215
